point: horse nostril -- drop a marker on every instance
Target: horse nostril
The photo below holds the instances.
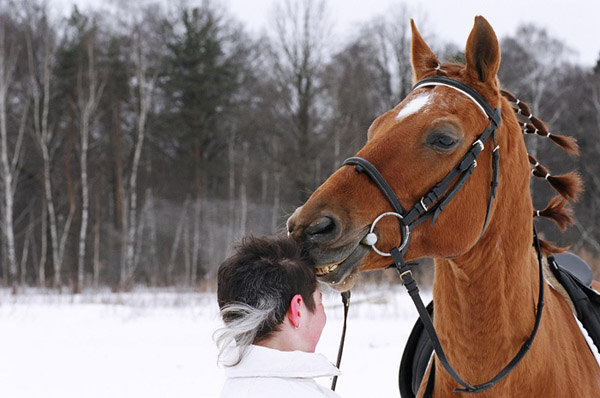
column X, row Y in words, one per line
column 322, row 229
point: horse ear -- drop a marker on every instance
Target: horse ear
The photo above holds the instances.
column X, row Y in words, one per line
column 482, row 52
column 422, row 58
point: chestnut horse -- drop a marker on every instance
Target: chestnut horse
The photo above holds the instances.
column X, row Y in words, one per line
column 485, row 289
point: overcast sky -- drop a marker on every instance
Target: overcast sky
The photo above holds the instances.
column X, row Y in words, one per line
column 575, row 22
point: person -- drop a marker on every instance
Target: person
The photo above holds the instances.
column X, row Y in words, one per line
column 273, row 316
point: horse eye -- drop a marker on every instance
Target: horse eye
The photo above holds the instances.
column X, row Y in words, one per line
column 441, row 141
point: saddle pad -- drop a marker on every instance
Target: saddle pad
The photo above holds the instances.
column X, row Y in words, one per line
column 585, row 300
column 589, row 340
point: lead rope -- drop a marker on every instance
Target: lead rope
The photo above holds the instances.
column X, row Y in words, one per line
column 346, row 303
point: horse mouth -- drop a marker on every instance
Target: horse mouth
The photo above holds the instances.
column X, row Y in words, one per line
column 341, row 274
column 322, row 271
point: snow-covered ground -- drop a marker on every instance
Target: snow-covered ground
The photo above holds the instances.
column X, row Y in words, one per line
column 159, row 344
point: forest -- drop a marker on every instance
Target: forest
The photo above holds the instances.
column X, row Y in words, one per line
column 136, row 146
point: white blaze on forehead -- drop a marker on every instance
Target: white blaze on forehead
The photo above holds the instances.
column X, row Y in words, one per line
column 414, row 105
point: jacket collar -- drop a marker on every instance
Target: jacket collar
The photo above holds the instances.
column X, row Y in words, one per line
column 267, row 362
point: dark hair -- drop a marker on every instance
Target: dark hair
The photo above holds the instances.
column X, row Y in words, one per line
column 254, row 289
column 265, row 271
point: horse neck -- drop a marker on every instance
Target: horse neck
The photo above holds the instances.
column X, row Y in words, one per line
column 485, row 300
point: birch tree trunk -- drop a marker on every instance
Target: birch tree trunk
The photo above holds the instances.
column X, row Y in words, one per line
column 25, row 253
column 56, row 254
column 44, row 246
column 120, row 216
column 85, row 120
column 187, row 259
column 196, row 238
column 140, row 232
column 243, row 192
column 41, row 131
column 231, row 192
column 7, row 64
column 154, row 263
column 175, row 246
column 87, row 108
column 97, row 264
column 145, row 91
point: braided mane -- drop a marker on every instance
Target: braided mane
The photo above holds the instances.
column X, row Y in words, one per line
column 568, row 185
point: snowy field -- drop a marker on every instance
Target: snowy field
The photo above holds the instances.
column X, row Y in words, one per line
column 159, row 344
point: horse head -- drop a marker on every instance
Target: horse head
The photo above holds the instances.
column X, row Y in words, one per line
column 414, row 145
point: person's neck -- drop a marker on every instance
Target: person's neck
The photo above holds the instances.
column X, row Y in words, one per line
column 285, row 339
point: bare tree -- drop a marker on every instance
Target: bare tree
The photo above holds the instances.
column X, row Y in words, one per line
column 176, row 241
column 146, row 80
column 538, row 75
column 243, row 191
column 390, row 37
column 26, row 246
column 87, row 105
column 231, row 187
column 152, row 240
column 44, row 242
column 8, row 161
column 41, row 107
column 301, row 33
column 97, row 263
column 589, row 209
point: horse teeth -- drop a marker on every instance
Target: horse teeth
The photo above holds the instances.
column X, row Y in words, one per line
column 320, row 271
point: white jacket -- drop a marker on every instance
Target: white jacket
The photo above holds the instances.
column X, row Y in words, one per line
column 269, row 373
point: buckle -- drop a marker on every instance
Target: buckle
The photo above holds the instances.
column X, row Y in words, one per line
column 406, row 273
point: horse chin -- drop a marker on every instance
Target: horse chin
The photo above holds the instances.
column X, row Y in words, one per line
column 342, row 275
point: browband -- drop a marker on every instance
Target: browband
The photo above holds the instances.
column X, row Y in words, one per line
column 477, row 98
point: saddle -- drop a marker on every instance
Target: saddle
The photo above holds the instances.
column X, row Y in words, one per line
column 574, row 274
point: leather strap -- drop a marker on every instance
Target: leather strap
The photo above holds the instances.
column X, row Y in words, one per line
column 346, row 303
column 465, row 89
column 364, row 166
column 413, row 291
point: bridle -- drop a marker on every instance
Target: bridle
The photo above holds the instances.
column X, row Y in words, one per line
column 431, row 205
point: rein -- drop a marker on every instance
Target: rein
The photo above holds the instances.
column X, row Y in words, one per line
column 411, row 286
column 430, row 205
column 346, row 303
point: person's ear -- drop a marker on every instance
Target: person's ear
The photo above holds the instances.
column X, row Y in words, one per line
column 294, row 312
